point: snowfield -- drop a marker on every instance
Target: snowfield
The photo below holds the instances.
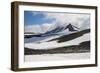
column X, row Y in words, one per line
column 57, row 57
column 55, row 44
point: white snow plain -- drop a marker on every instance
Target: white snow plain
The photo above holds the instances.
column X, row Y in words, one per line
column 57, row 57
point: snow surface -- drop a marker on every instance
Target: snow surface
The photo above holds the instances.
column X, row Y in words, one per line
column 55, row 44
column 57, row 57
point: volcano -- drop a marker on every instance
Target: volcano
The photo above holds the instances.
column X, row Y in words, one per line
column 56, row 31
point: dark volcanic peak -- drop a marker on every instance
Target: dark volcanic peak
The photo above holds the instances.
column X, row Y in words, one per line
column 71, row 27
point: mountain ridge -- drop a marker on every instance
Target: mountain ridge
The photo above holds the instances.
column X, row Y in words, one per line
column 71, row 36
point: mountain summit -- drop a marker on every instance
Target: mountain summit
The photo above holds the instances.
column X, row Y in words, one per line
column 71, row 27
column 58, row 29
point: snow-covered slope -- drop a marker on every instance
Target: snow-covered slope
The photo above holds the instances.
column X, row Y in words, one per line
column 55, row 33
column 55, row 44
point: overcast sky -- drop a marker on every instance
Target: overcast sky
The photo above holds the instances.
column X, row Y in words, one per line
column 40, row 22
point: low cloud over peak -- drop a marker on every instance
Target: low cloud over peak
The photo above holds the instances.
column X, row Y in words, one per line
column 51, row 20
